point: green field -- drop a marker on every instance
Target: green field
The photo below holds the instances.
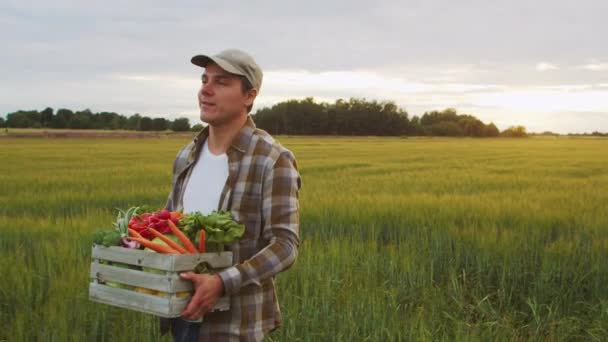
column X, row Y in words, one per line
column 402, row 239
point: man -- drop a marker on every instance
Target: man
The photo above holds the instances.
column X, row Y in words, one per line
column 232, row 165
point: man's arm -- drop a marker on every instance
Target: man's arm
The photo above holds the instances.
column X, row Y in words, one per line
column 280, row 227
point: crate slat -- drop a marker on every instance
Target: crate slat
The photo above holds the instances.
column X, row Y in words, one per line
column 161, row 306
column 165, row 262
column 186, row 262
column 170, row 283
column 169, row 307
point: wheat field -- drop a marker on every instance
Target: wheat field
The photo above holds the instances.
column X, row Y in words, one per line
column 402, row 239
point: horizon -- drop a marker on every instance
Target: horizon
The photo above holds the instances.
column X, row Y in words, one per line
column 199, row 122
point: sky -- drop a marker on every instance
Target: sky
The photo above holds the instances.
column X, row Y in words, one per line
column 542, row 64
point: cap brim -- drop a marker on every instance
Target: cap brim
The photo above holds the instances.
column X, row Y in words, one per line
column 203, row 61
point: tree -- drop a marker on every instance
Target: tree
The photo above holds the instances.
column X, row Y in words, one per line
column 82, row 120
column 445, row 129
column 62, row 118
column 23, row 119
column 471, row 126
column 490, row 130
column 46, row 117
column 431, row 118
column 160, row 124
column 108, row 120
column 352, row 117
column 180, row 125
column 355, row 116
column 133, row 122
column 145, row 124
column 415, row 127
column 2, row 122
column 394, row 120
column 196, row 128
column 515, row 132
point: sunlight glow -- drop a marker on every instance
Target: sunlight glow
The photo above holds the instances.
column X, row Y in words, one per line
column 329, row 86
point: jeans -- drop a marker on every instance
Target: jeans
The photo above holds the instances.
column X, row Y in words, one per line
column 184, row 331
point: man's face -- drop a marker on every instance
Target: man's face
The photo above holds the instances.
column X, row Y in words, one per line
column 221, row 98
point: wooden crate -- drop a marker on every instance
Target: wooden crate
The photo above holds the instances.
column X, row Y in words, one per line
column 169, row 305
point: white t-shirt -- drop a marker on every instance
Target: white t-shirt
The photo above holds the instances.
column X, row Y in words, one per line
column 206, row 182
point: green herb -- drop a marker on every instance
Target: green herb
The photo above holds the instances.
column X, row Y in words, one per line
column 220, row 228
column 122, row 220
column 121, row 229
column 107, row 238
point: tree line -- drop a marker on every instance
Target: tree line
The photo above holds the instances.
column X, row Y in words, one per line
column 86, row 119
column 292, row 117
column 363, row 117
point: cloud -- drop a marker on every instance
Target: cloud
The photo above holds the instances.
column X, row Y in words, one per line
column 594, row 66
column 544, row 66
column 364, row 80
column 568, row 87
column 158, row 79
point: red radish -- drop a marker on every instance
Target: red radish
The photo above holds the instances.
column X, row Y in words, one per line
column 164, row 214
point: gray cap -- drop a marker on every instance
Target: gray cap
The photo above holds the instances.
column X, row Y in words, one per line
column 235, row 62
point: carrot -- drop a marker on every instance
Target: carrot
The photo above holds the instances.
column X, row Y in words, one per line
column 155, row 246
column 168, row 241
column 135, row 233
column 201, row 241
column 182, row 238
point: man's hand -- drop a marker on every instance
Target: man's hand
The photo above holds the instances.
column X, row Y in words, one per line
column 208, row 288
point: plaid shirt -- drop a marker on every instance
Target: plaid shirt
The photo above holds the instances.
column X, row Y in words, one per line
column 261, row 192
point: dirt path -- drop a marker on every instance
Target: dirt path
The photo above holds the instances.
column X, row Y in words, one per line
column 94, row 134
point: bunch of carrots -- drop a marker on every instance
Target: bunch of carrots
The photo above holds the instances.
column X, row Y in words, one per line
column 172, row 247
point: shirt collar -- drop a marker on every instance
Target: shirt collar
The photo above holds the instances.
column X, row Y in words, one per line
column 243, row 137
column 240, row 141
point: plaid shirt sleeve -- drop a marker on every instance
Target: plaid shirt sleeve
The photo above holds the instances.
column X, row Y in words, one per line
column 181, row 160
column 280, row 228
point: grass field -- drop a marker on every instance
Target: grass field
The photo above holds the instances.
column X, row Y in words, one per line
column 402, row 239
